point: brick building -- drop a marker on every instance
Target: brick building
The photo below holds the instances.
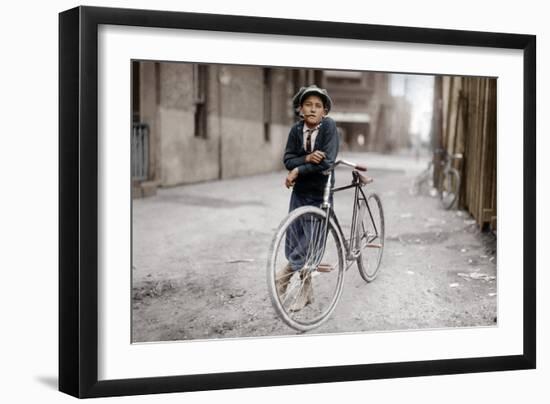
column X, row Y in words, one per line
column 370, row 118
column 195, row 122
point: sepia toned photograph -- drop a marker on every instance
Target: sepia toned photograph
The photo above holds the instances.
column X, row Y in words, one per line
column 281, row 201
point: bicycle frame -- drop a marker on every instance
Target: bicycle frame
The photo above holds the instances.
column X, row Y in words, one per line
column 327, row 207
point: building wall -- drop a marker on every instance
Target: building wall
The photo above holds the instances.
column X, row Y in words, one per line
column 184, row 157
column 235, row 143
column 245, row 151
column 148, row 101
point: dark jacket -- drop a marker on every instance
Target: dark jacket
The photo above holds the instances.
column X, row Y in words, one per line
column 311, row 180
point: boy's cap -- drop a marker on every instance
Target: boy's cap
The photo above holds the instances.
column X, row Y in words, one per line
column 301, row 95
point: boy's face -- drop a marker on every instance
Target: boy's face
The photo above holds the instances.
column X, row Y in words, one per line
column 313, row 110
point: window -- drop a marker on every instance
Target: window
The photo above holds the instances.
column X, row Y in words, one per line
column 200, row 86
column 267, row 73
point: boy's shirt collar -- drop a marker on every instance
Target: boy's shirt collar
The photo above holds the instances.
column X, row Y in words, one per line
column 305, row 127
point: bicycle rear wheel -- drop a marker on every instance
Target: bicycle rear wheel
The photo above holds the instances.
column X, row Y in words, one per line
column 304, row 265
column 370, row 237
column 450, row 187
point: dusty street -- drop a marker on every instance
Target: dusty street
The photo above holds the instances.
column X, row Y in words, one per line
column 200, row 254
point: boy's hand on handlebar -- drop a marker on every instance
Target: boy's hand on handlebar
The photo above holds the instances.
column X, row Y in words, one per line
column 291, row 178
column 316, row 157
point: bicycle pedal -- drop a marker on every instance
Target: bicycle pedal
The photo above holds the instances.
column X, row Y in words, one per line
column 373, row 245
column 324, row 268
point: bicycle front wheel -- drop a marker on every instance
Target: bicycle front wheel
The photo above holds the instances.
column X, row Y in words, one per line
column 305, row 270
column 450, row 187
column 370, row 237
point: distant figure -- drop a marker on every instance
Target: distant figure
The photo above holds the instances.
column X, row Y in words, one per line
column 311, row 148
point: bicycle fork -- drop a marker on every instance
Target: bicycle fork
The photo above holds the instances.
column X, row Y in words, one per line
column 326, row 206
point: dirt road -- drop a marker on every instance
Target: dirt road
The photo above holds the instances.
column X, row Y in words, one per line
column 200, row 253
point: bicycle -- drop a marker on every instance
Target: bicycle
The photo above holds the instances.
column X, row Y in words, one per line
column 423, row 183
column 449, row 179
column 313, row 236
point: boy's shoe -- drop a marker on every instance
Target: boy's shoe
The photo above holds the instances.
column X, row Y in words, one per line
column 306, row 294
column 282, row 278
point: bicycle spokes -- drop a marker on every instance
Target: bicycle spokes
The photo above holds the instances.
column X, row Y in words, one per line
column 306, row 242
column 313, row 251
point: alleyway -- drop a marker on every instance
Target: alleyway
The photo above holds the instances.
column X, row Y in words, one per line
column 200, row 253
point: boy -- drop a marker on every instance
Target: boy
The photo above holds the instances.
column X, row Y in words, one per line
column 311, row 148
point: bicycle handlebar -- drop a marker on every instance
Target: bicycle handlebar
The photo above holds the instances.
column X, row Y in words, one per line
column 355, row 166
column 445, row 153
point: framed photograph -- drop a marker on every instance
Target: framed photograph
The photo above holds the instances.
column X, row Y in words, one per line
column 251, row 202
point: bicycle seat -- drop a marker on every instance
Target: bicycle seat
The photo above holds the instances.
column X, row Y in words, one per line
column 363, row 179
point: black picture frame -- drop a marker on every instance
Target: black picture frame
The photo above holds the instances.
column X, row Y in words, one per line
column 78, row 201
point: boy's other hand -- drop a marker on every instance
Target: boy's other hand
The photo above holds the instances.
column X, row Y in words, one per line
column 316, row 157
column 291, row 178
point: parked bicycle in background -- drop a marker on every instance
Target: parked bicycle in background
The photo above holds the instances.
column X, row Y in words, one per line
column 447, row 182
